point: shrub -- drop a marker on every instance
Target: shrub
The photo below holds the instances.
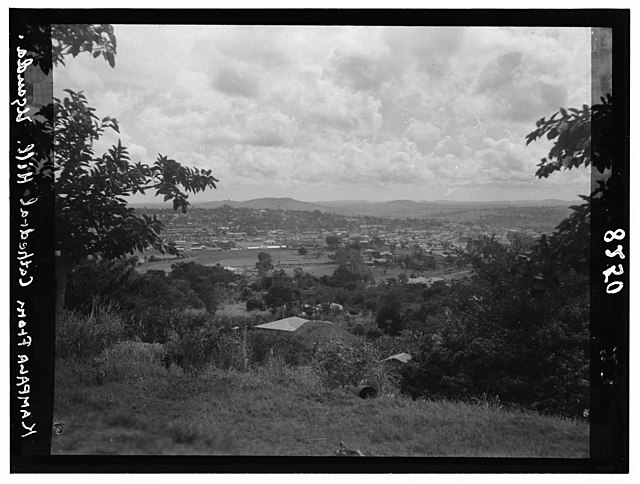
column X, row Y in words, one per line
column 539, row 364
column 81, row 336
column 264, row 344
column 130, row 360
column 374, row 333
column 358, row 329
column 342, row 366
column 228, row 352
column 255, row 303
column 192, row 342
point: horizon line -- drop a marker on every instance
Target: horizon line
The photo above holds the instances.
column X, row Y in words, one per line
column 577, row 199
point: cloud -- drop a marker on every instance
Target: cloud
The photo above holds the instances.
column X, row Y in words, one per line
column 236, row 82
column 424, row 134
column 384, row 110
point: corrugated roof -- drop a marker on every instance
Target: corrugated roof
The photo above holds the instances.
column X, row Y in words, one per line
column 402, row 357
column 287, row 324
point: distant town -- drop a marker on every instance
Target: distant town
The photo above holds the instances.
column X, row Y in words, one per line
column 310, row 235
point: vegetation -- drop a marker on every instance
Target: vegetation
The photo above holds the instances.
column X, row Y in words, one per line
column 279, row 409
column 491, row 352
column 582, row 138
column 92, row 215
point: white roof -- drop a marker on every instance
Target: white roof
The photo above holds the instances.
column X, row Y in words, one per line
column 402, row 357
column 287, row 324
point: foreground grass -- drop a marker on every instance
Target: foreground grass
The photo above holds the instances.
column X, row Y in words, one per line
column 278, row 410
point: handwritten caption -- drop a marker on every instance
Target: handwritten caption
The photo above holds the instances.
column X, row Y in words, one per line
column 615, row 286
column 26, row 170
column 609, row 356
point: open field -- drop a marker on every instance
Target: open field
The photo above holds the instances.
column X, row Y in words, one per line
column 245, row 259
column 317, row 265
column 280, row 410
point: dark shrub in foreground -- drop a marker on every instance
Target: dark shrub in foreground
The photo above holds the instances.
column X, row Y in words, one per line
column 80, row 336
column 265, row 344
column 542, row 366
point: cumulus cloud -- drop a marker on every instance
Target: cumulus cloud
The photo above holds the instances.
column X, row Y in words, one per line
column 389, row 111
column 236, row 82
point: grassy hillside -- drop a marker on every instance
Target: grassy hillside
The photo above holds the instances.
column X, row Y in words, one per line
column 139, row 407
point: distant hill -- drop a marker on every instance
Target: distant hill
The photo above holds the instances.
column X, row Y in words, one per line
column 279, row 204
column 392, row 208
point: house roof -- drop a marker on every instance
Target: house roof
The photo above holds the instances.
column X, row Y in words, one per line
column 401, row 357
column 286, row 324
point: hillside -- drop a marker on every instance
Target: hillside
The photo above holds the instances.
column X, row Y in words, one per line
column 452, row 210
column 278, row 410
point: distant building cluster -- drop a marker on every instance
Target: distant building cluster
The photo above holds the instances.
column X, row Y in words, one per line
column 379, row 243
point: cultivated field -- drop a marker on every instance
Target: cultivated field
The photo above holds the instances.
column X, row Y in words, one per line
column 316, row 263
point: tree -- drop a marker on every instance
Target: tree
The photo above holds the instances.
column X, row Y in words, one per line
column 92, row 278
column 91, row 212
column 72, row 39
column 333, row 241
column 582, row 137
column 203, row 281
column 303, row 251
column 264, row 264
column 281, row 292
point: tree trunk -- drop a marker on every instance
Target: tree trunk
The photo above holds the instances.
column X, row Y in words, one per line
column 62, row 272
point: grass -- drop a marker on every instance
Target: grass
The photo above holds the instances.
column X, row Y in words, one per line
column 288, row 259
column 279, row 410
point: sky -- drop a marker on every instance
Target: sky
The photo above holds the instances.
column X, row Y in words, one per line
column 343, row 113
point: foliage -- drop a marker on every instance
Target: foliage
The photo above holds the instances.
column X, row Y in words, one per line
column 154, row 303
column 50, row 46
column 281, row 292
column 333, row 242
column 98, row 278
column 151, row 302
column 72, row 39
column 91, row 212
column 267, row 344
column 528, row 347
column 204, row 281
column 264, row 264
column 92, row 216
column 81, row 336
column 130, row 360
column 192, row 343
column 374, row 334
column 343, row 366
column 255, row 302
column 228, row 352
column 581, row 138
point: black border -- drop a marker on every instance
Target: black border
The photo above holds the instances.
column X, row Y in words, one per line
column 610, row 317
column 36, row 299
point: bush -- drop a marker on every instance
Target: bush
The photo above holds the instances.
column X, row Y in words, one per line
column 342, row 366
column 255, row 303
column 541, row 363
column 130, row 360
column 82, row 336
column 192, row 343
column 374, row 334
column 264, row 345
